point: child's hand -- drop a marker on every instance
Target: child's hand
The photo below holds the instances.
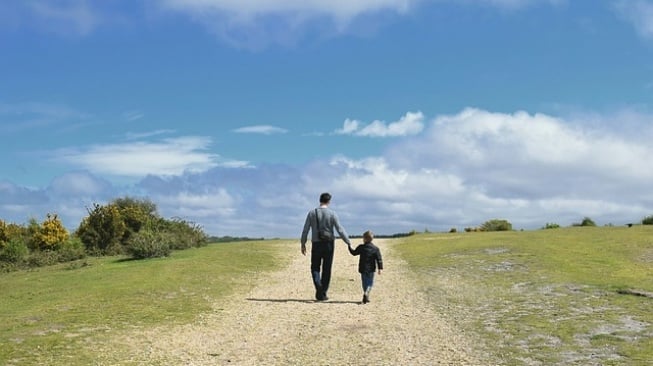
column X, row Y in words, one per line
column 380, row 271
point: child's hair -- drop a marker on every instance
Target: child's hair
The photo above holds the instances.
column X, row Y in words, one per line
column 368, row 236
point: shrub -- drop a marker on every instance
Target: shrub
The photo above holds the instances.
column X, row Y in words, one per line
column 648, row 220
column 184, row 234
column 135, row 213
column 586, row 222
column 43, row 258
column 15, row 251
column 3, row 234
column 551, row 225
column 12, row 231
column 102, row 230
column 50, row 235
column 148, row 243
column 71, row 250
column 496, row 225
column 453, row 230
column 30, row 233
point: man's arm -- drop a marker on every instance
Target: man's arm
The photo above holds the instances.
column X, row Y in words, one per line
column 341, row 230
column 304, row 238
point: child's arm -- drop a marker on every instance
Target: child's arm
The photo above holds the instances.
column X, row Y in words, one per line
column 379, row 261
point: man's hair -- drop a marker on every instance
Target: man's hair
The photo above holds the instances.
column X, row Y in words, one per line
column 325, row 198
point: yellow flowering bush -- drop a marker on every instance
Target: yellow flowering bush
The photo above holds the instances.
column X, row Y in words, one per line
column 51, row 234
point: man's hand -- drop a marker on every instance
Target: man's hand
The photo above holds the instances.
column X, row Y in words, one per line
column 303, row 249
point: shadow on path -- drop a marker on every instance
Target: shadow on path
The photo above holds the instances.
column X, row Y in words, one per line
column 303, row 301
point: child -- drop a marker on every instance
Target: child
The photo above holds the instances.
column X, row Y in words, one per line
column 370, row 258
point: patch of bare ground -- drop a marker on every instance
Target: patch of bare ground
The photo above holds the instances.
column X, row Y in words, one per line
column 279, row 323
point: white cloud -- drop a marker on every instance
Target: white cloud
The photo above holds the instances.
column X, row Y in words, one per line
column 205, row 205
column 410, row 124
column 261, row 129
column 639, row 13
column 171, row 156
column 78, row 184
column 513, row 142
column 257, row 24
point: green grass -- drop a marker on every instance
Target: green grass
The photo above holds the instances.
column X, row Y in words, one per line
column 48, row 315
column 545, row 296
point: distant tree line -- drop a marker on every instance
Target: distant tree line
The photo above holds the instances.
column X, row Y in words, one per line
column 124, row 226
column 386, row 236
column 504, row 225
column 231, row 239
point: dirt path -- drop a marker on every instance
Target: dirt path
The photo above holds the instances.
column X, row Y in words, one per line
column 279, row 323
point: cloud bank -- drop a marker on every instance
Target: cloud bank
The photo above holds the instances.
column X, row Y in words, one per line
column 460, row 170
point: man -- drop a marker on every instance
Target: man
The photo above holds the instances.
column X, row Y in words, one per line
column 325, row 219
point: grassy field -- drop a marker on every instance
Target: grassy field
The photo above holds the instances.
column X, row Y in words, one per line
column 545, row 297
column 54, row 313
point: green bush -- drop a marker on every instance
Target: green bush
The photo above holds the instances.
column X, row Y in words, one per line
column 184, row 234
column 43, row 258
column 135, row 213
column 10, row 231
column 496, row 225
column 102, row 230
column 648, row 220
column 551, row 225
column 149, row 243
column 15, row 251
column 71, row 250
column 586, row 222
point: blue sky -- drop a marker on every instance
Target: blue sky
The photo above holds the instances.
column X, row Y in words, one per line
column 237, row 114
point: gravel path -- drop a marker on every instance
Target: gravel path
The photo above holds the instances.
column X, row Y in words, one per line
column 279, row 323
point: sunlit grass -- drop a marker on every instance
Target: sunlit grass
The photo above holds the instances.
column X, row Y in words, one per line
column 49, row 314
column 545, row 296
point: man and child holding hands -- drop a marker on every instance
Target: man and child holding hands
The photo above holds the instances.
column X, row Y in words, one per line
column 321, row 222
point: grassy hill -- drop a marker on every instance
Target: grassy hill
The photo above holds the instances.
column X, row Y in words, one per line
column 561, row 296
column 51, row 313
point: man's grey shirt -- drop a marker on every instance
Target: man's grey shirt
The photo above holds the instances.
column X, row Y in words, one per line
column 328, row 220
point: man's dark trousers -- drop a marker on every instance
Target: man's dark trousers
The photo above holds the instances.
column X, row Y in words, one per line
column 321, row 256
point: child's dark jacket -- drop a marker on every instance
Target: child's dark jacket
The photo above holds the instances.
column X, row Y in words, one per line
column 370, row 257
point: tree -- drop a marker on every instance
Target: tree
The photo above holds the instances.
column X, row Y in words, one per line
column 586, row 222
column 135, row 213
column 496, row 225
column 102, row 230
